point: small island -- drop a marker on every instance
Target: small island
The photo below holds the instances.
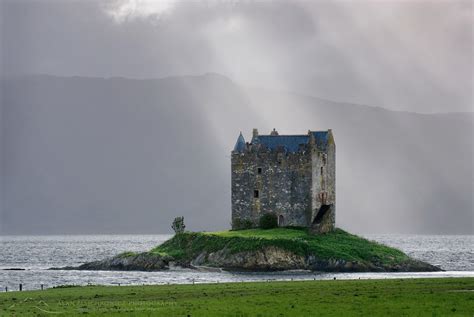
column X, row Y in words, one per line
column 266, row 250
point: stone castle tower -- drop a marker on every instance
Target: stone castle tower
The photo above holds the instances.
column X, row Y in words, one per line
column 292, row 176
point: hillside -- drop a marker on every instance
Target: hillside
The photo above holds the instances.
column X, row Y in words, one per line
column 88, row 155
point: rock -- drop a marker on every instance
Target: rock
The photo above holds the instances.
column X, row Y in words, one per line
column 276, row 259
column 14, row 269
column 135, row 262
column 267, row 259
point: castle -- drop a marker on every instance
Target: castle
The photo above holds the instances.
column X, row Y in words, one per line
column 291, row 176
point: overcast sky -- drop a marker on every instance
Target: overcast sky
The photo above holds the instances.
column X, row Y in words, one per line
column 80, row 154
column 404, row 55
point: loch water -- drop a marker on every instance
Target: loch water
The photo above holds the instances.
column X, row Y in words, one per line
column 25, row 260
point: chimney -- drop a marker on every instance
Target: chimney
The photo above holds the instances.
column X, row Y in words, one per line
column 312, row 140
column 255, row 133
column 274, row 132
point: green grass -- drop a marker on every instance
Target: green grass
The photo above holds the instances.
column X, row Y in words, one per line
column 127, row 254
column 409, row 297
column 335, row 245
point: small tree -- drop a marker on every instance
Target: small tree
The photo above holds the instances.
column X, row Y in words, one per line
column 268, row 221
column 178, row 225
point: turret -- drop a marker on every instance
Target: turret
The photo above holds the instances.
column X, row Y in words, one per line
column 240, row 144
column 312, row 140
column 254, row 136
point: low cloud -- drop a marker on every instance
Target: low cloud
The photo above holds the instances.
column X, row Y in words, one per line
column 126, row 10
column 414, row 56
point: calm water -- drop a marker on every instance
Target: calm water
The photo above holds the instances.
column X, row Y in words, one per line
column 37, row 253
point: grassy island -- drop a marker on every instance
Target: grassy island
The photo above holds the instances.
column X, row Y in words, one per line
column 267, row 250
column 335, row 245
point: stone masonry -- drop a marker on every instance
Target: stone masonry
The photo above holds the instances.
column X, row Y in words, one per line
column 291, row 176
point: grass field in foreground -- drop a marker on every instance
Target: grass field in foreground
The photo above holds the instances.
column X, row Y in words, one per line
column 408, row 297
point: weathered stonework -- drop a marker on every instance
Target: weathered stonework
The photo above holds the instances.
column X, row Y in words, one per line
column 290, row 176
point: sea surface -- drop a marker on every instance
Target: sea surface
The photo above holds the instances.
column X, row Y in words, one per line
column 35, row 254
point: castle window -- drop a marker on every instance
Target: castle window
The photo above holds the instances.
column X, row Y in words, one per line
column 259, row 170
column 321, row 171
column 255, row 193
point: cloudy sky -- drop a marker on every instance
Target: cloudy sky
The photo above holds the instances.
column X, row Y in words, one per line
column 88, row 155
column 403, row 55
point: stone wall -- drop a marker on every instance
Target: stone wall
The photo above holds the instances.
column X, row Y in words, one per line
column 283, row 181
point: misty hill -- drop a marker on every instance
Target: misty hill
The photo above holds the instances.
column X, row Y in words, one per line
column 120, row 155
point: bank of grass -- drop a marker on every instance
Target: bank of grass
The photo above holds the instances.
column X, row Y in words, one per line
column 408, row 297
column 335, row 245
column 127, row 254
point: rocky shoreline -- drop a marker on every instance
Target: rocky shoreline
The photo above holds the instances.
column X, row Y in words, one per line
column 266, row 259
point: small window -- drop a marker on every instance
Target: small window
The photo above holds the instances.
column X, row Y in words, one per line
column 255, row 193
column 321, row 170
column 259, row 170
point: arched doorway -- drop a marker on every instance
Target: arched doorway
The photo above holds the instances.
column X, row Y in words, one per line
column 281, row 221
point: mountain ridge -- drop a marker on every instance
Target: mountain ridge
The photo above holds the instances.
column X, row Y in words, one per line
column 124, row 155
column 218, row 75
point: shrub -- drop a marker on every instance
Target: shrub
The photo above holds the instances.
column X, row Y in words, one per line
column 268, row 221
column 178, row 225
column 242, row 224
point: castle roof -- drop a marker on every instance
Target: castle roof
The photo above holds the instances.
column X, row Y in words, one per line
column 291, row 143
column 240, row 144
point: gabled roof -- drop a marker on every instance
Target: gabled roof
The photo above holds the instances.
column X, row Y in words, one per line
column 291, row 143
